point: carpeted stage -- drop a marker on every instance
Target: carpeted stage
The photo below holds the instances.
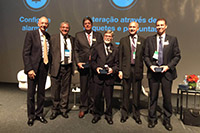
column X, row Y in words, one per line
column 13, row 117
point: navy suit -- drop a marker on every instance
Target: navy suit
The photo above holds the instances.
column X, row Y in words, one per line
column 171, row 57
column 32, row 57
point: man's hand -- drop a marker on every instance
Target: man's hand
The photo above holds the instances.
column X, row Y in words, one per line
column 80, row 65
column 153, row 67
column 165, row 68
column 110, row 70
column 31, row 74
column 98, row 69
column 120, row 74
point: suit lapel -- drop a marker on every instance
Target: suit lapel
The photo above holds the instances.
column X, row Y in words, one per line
column 165, row 46
column 128, row 43
column 85, row 38
column 94, row 39
column 109, row 57
column 72, row 42
column 58, row 45
column 138, row 46
column 154, row 43
column 38, row 39
column 72, row 47
column 138, row 43
column 102, row 50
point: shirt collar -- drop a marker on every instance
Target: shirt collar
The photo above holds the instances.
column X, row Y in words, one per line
column 135, row 36
column 63, row 36
column 40, row 32
column 163, row 36
column 91, row 33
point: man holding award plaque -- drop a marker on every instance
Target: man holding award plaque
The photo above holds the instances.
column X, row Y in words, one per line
column 85, row 41
column 105, row 66
column 161, row 56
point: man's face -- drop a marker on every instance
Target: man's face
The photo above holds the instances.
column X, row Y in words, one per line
column 133, row 28
column 161, row 27
column 87, row 25
column 43, row 24
column 64, row 29
column 107, row 38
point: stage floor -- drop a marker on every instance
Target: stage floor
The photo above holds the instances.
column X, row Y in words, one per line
column 13, row 117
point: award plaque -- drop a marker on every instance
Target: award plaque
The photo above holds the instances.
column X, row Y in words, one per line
column 86, row 66
column 158, row 69
column 103, row 71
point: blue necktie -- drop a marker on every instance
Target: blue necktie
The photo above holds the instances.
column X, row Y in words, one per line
column 160, row 52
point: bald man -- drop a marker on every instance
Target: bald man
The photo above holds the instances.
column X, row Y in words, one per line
column 36, row 59
column 131, row 51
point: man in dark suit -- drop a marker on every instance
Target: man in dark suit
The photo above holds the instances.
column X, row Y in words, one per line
column 61, row 70
column 36, row 63
column 131, row 51
column 162, row 54
column 104, row 57
column 85, row 41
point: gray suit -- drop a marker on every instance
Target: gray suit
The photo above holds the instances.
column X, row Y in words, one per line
column 82, row 53
column 60, row 75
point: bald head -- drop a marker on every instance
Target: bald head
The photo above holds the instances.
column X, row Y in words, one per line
column 133, row 28
column 43, row 23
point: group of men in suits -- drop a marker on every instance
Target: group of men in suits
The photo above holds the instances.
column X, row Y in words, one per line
column 161, row 54
column 99, row 62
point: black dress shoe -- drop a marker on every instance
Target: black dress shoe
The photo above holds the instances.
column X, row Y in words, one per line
column 167, row 125
column 53, row 116
column 95, row 119
column 109, row 120
column 65, row 115
column 152, row 124
column 123, row 119
column 30, row 122
column 138, row 120
column 42, row 119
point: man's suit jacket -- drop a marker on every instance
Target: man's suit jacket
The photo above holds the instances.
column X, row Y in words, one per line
column 32, row 51
column 56, row 54
column 171, row 55
column 125, row 57
column 99, row 59
column 82, row 47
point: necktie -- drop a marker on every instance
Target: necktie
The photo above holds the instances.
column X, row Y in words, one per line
column 132, row 51
column 66, row 48
column 107, row 49
column 160, row 52
column 65, row 42
column 45, row 59
column 89, row 41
